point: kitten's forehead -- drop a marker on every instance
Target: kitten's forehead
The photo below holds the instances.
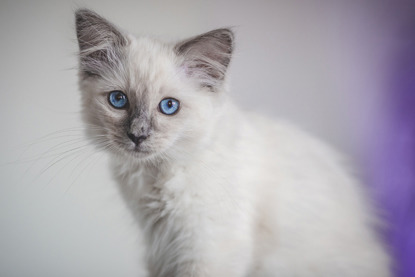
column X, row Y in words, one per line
column 151, row 64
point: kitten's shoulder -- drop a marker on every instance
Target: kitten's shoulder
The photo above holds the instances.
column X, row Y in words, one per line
column 282, row 136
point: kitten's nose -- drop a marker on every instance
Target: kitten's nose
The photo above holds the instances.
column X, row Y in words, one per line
column 136, row 139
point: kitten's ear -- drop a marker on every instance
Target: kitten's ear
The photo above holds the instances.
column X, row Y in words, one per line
column 99, row 42
column 206, row 57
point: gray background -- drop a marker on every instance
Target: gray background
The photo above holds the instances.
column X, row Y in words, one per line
column 318, row 64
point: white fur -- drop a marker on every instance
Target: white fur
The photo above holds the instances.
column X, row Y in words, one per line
column 263, row 199
column 225, row 193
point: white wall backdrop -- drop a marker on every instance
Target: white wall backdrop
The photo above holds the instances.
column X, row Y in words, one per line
column 316, row 63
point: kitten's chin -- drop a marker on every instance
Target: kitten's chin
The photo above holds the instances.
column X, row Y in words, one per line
column 138, row 153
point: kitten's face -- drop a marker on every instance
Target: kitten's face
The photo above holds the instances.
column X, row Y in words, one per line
column 146, row 99
column 150, row 75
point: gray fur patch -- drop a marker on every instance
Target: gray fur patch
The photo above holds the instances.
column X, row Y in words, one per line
column 100, row 43
column 207, row 56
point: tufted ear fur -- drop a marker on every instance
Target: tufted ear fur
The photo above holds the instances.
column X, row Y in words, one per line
column 100, row 43
column 206, row 57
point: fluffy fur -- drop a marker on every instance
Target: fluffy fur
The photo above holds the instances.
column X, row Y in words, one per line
column 216, row 191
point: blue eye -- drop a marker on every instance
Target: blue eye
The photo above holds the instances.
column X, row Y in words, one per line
column 117, row 99
column 169, row 106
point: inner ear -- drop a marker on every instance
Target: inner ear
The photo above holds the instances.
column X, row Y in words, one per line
column 100, row 42
column 92, row 30
column 207, row 56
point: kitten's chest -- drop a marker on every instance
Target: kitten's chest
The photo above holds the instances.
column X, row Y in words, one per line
column 186, row 193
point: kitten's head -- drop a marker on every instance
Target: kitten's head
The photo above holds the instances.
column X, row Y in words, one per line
column 147, row 99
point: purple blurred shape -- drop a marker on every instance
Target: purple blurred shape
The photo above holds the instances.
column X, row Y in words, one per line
column 394, row 174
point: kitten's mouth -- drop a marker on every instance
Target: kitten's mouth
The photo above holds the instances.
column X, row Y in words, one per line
column 131, row 149
column 137, row 151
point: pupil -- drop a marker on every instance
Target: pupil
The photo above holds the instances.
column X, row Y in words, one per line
column 118, row 97
column 170, row 104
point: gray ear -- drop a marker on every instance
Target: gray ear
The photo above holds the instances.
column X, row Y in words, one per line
column 206, row 57
column 100, row 42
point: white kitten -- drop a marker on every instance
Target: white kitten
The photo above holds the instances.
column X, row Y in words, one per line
column 216, row 191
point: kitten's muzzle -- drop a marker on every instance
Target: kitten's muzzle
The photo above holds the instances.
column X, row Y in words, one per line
column 137, row 139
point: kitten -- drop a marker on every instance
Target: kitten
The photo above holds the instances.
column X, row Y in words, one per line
column 216, row 191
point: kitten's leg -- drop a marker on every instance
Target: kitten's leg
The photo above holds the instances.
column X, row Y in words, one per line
column 225, row 259
column 201, row 247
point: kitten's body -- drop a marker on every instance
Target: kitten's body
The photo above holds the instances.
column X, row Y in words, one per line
column 219, row 192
